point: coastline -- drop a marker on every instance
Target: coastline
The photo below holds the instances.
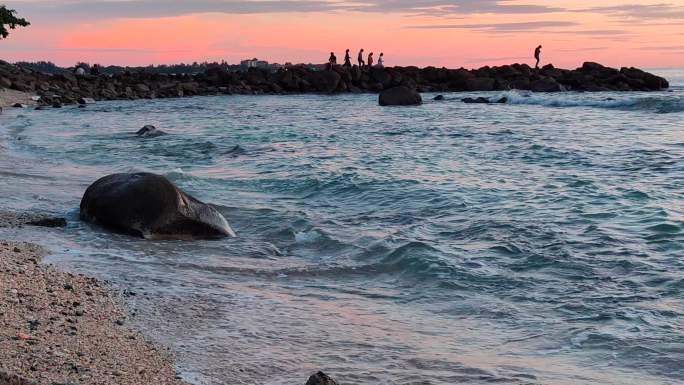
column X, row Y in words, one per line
column 68, row 88
column 58, row 328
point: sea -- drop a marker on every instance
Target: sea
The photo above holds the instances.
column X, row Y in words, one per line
column 540, row 241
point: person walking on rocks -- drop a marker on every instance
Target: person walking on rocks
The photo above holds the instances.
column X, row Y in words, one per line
column 347, row 59
column 370, row 60
column 537, row 53
column 360, row 59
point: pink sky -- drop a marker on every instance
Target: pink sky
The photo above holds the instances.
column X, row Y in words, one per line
column 467, row 33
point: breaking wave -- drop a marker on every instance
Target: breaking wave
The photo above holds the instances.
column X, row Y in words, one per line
column 660, row 103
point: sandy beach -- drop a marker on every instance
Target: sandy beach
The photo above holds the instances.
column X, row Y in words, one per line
column 61, row 328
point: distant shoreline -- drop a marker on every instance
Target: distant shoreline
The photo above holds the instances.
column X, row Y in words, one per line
column 69, row 88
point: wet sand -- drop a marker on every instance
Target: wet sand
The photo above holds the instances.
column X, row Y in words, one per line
column 61, row 328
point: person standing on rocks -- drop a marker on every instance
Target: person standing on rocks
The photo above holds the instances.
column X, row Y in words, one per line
column 381, row 60
column 347, row 59
column 537, row 53
column 332, row 61
column 360, row 59
column 370, row 60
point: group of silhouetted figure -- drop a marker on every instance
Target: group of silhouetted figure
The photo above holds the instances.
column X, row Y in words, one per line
column 332, row 61
column 361, row 62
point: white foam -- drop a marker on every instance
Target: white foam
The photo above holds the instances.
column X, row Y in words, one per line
column 308, row 236
column 657, row 103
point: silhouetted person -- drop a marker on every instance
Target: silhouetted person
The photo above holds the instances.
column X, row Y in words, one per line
column 332, row 61
column 381, row 60
column 370, row 60
column 537, row 53
column 360, row 59
column 347, row 59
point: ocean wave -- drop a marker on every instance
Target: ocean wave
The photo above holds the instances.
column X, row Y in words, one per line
column 658, row 104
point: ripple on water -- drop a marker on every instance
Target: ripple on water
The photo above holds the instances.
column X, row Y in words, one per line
column 540, row 242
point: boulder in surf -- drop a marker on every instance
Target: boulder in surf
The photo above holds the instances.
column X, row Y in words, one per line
column 152, row 207
column 400, row 96
column 321, row 378
column 149, row 131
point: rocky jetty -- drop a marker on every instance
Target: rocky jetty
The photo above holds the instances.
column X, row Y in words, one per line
column 68, row 88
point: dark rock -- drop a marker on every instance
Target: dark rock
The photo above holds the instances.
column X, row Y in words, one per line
column 381, row 76
column 56, row 105
column 438, row 97
column 480, row 84
column 502, row 100
column 478, row 100
column 142, row 88
column 591, row 66
column 5, row 83
column 48, row 222
column 150, row 206
column 400, row 96
column 321, row 378
column 83, row 100
column 323, row 81
column 19, row 105
column 149, row 131
column 545, row 85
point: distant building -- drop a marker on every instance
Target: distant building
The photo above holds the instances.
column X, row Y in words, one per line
column 253, row 63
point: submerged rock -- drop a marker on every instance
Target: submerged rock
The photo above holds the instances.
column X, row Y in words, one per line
column 400, row 96
column 438, row 97
column 150, row 206
column 321, row 378
column 86, row 101
column 149, row 131
column 48, row 222
column 481, row 100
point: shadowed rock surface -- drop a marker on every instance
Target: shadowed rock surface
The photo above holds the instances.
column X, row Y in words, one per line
column 149, row 131
column 400, row 96
column 150, row 206
column 321, row 378
column 68, row 88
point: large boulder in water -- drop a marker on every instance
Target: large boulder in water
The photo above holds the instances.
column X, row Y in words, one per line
column 150, row 206
column 400, row 96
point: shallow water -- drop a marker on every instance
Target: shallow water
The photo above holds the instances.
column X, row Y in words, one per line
column 539, row 241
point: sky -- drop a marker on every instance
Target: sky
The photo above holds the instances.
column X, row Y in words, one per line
column 456, row 33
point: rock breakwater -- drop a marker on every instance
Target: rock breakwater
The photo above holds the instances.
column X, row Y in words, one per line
column 68, row 88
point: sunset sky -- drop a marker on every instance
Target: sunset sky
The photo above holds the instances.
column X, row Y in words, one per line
column 468, row 33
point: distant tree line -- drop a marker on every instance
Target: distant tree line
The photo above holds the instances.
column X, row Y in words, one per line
column 179, row 69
